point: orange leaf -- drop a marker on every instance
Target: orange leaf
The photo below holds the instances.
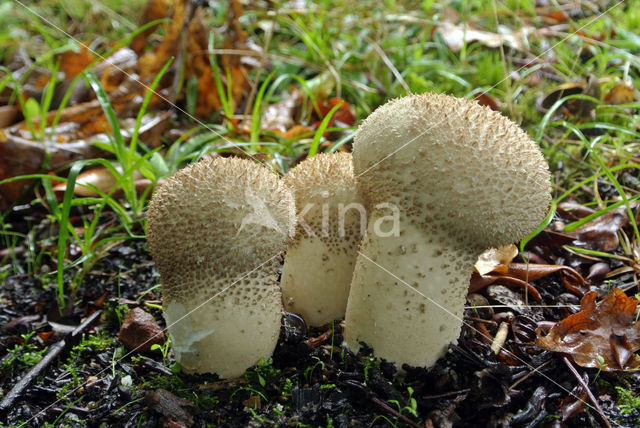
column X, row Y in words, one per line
column 620, row 94
column 45, row 335
column 73, row 63
column 487, row 100
column 602, row 336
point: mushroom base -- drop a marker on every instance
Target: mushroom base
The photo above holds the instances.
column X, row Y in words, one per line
column 221, row 336
column 407, row 295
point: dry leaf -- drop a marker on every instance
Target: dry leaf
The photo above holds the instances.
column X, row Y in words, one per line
column 495, row 266
column 493, row 258
column 73, row 63
column 574, row 107
column 602, row 233
column 456, row 35
column 9, row 114
column 533, row 272
column 484, row 99
column 552, row 16
column 571, row 210
column 99, row 177
column 278, row 117
column 154, row 10
column 604, row 336
column 620, row 94
column 72, row 139
column 345, row 113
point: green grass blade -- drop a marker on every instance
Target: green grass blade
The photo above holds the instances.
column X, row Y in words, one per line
column 256, row 115
column 576, row 224
column 119, row 146
column 595, row 253
column 143, row 109
column 64, row 226
column 323, row 125
column 21, row 100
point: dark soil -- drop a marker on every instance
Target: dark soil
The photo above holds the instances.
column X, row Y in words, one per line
column 312, row 380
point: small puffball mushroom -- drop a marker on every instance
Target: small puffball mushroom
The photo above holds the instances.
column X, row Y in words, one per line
column 331, row 221
column 215, row 231
column 445, row 178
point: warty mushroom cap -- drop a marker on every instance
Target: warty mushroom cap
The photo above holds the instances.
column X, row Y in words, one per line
column 454, row 162
column 331, row 220
column 215, row 231
column 463, row 178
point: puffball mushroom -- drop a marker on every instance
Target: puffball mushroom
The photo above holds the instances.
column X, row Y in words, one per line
column 215, row 231
column 446, row 178
column 331, row 221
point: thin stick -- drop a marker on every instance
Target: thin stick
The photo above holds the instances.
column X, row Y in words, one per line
column 61, row 347
column 384, row 406
column 588, row 391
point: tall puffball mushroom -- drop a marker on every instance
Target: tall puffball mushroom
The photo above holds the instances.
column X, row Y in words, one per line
column 446, row 178
column 215, row 231
column 331, row 221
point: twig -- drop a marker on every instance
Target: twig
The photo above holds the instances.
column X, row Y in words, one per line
column 384, row 406
column 446, row 394
column 525, row 377
column 500, row 338
column 588, row 391
column 390, row 65
column 61, row 347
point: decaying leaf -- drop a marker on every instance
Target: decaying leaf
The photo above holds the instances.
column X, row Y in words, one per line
column 457, row 35
column 71, row 140
column 604, row 336
column 154, row 10
column 602, row 233
column 620, row 94
column 73, row 63
column 186, row 38
column 278, row 117
column 8, row 115
column 99, row 177
column 484, row 99
column 572, row 210
column 495, row 266
column 574, row 107
column 496, row 259
column 345, row 113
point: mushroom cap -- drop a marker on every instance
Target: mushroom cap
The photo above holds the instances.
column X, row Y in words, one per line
column 331, row 221
column 323, row 182
column 452, row 164
column 215, row 231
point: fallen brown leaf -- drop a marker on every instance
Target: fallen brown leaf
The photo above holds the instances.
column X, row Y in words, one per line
column 99, row 177
column 73, row 63
column 140, row 331
column 601, row 233
column 456, row 35
column 574, row 107
column 604, row 336
column 620, row 94
column 496, row 259
column 484, row 99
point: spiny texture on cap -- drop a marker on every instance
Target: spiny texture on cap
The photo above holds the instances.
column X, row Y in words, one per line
column 331, row 221
column 453, row 162
column 322, row 183
column 215, row 230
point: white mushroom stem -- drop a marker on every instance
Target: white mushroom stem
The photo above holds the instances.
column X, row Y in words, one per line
column 216, row 231
column 406, row 291
column 331, row 219
column 462, row 178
